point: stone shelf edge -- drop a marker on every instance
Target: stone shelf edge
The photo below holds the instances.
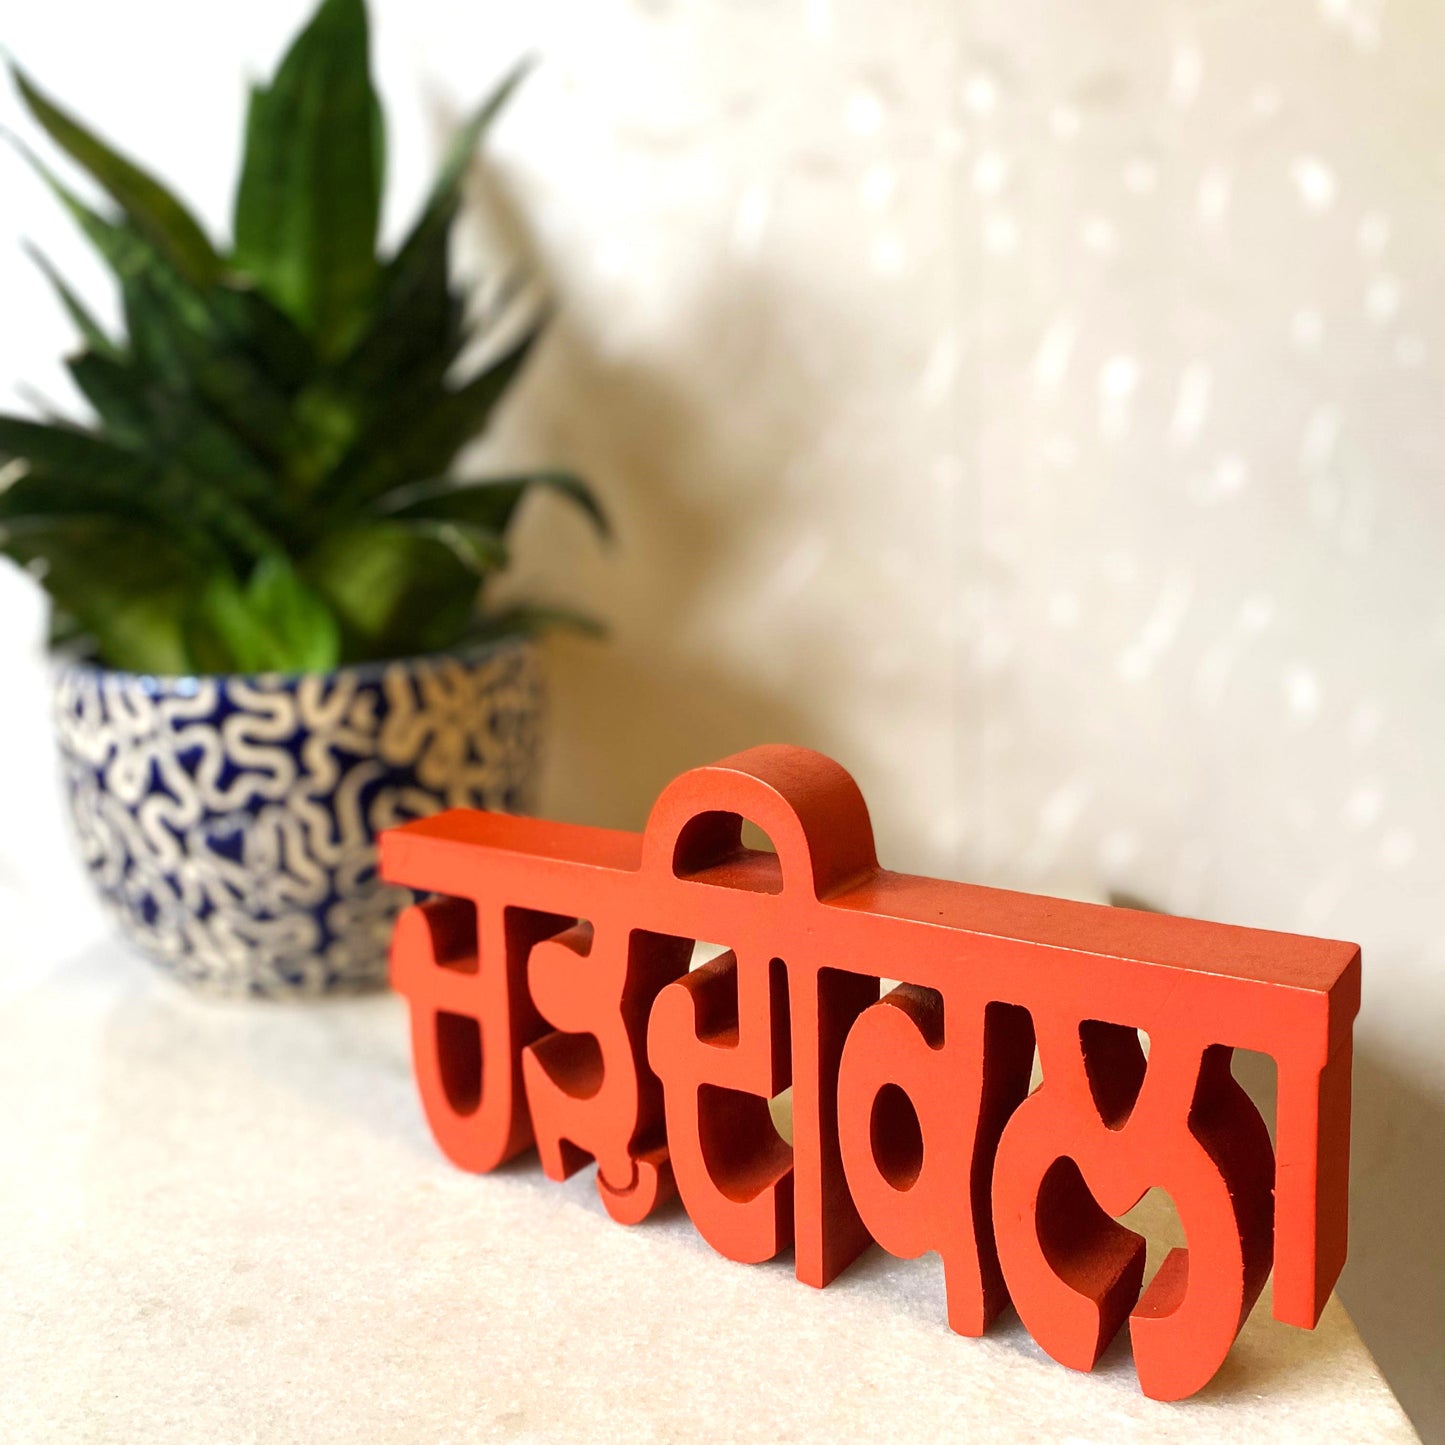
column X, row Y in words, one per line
column 229, row 1222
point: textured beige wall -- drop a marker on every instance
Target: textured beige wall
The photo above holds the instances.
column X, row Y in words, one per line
column 1037, row 407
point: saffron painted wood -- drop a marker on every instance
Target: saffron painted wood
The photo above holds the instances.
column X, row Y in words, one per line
column 552, row 1003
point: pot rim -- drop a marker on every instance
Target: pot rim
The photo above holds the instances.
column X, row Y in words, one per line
column 371, row 670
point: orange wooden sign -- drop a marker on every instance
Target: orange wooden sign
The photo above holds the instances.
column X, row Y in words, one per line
column 552, row 1004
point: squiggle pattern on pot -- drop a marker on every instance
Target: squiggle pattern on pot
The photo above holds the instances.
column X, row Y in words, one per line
column 229, row 822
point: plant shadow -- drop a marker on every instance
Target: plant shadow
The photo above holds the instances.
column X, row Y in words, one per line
column 690, row 670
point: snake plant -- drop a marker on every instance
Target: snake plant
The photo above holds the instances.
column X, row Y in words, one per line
column 266, row 482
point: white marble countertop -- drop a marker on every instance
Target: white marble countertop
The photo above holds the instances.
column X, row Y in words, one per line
column 228, row 1223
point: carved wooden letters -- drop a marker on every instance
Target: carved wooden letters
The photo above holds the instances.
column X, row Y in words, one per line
column 551, row 1003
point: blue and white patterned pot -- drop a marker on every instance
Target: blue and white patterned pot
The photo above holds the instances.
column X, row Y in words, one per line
column 230, row 822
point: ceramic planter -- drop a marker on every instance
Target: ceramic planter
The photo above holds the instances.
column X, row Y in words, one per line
column 230, row 822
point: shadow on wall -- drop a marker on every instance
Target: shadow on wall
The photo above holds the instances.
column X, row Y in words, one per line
column 1394, row 1282
column 632, row 713
column 628, row 726
column 654, row 699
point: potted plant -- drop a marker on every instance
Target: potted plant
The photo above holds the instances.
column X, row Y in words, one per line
column 266, row 579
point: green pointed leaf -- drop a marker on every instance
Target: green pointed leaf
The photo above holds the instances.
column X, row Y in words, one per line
column 326, row 422
column 528, row 620
column 479, row 549
column 75, row 308
column 418, row 319
column 309, row 198
column 41, row 498
column 418, row 435
column 37, row 498
column 394, row 591
column 202, row 476
column 281, row 355
column 66, row 448
column 122, row 584
column 248, row 320
column 275, row 623
column 307, row 636
column 491, row 503
column 153, row 209
column 253, row 417
column 222, row 392
column 117, row 392
column 417, row 324
column 462, row 147
column 120, row 246
column 145, row 631
column 75, row 471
